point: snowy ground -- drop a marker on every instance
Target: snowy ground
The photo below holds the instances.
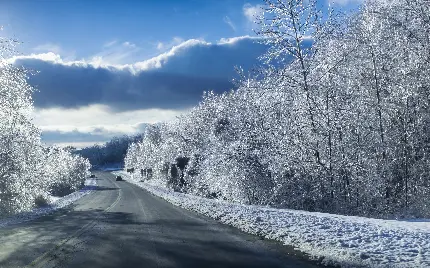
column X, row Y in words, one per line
column 345, row 240
column 55, row 203
column 111, row 169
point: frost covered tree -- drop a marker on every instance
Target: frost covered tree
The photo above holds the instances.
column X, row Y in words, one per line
column 372, row 86
column 19, row 139
column 64, row 171
column 25, row 165
column 337, row 122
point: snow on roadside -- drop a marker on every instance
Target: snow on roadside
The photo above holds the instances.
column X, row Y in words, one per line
column 346, row 240
column 55, row 203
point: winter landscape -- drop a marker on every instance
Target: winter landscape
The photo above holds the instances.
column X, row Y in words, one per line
column 277, row 133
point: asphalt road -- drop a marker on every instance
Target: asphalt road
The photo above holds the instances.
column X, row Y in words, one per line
column 122, row 225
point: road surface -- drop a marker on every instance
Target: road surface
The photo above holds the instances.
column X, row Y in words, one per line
column 122, row 225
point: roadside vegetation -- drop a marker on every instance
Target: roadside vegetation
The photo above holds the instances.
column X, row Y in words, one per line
column 29, row 171
column 340, row 126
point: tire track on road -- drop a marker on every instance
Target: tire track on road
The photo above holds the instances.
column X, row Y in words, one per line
column 51, row 255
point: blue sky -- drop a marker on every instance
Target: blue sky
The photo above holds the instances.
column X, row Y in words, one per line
column 82, row 28
column 128, row 63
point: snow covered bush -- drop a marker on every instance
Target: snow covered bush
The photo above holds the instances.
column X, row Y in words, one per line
column 66, row 172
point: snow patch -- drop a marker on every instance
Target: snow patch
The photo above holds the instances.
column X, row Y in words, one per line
column 55, row 203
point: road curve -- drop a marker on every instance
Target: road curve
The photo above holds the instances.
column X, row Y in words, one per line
column 122, row 225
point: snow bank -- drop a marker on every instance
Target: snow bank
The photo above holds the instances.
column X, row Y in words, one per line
column 344, row 240
column 112, row 169
column 55, row 203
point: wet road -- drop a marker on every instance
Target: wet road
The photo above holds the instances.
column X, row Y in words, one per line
column 122, row 225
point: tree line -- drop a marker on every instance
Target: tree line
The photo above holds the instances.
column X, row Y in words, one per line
column 29, row 171
column 110, row 154
column 340, row 124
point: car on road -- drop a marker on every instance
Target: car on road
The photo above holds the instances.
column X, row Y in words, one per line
column 119, row 178
column 92, row 176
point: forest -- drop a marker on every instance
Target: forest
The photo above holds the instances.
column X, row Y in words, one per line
column 109, row 155
column 339, row 126
column 29, row 170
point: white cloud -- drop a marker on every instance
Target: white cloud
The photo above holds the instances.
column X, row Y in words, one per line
column 227, row 20
column 233, row 40
column 345, row 2
column 160, row 45
column 251, row 12
column 110, row 43
column 57, row 59
column 114, row 53
column 50, row 56
column 48, row 47
column 135, row 96
column 172, row 80
column 64, row 127
column 168, row 45
column 119, row 56
column 127, row 122
column 74, row 127
column 158, row 61
column 128, row 44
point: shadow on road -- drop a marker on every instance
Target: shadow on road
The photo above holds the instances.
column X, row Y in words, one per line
column 119, row 239
column 104, row 188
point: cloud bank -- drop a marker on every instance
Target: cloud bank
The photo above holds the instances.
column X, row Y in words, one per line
column 173, row 80
column 81, row 102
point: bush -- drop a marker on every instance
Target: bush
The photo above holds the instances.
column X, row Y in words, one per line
column 40, row 201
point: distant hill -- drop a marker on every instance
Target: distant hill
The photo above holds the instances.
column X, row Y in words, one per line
column 109, row 155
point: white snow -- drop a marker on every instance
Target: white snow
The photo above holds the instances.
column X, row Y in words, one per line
column 345, row 240
column 55, row 203
column 111, row 169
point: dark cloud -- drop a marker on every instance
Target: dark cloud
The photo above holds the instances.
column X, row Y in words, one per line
column 178, row 84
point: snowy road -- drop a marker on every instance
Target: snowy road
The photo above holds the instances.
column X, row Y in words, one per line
column 121, row 225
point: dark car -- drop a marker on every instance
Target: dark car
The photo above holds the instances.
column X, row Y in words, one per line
column 92, row 176
column 119, row 178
